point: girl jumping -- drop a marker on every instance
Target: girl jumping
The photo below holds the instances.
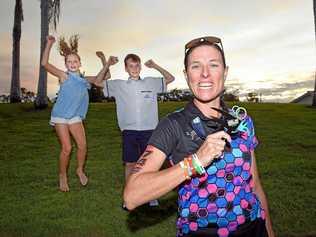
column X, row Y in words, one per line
column 71, row 106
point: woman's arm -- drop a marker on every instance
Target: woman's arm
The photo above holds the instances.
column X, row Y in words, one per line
column 260, row 193
column 45, row 57
column 146, row 181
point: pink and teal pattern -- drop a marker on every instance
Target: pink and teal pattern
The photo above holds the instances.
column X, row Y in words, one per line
column 223, row 196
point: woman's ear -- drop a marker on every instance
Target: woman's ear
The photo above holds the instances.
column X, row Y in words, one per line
column 185, row 75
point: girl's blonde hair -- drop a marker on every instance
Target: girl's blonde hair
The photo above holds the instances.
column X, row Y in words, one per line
column 66, row 49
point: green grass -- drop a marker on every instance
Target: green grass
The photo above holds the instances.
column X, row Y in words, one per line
column 30, row 204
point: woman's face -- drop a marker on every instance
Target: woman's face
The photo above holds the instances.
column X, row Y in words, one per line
column 205, row 73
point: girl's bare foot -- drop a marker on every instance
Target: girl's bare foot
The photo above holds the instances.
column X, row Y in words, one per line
column 63, row 183
column 82, row 178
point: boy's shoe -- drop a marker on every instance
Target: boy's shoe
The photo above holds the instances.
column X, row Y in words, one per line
column 154, row 203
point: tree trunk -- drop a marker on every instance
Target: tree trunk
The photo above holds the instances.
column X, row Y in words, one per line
column 41, row 101
column 15, row 91
column 314, row 97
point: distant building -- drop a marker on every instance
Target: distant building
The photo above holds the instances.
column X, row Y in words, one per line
column 306, row 98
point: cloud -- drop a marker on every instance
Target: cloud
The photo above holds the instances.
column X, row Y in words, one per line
column 284, row 92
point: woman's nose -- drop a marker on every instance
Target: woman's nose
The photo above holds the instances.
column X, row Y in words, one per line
column 205, row 71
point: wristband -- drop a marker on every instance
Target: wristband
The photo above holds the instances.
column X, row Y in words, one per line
column 190, row 161
column 185, row 169
column 187, row 165
column 197, row 164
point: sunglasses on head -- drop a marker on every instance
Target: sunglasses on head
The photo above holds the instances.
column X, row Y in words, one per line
column 198, row 41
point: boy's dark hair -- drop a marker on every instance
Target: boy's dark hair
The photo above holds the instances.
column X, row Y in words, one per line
column 133, row 57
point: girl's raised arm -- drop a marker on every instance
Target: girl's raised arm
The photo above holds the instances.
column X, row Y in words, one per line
column 98, row 79
column 49, row 67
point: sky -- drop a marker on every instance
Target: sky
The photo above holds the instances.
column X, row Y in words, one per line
column 269, row 45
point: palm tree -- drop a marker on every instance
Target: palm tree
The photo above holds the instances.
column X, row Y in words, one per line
column 50, row 10
column 15, row 91
column 314, row 97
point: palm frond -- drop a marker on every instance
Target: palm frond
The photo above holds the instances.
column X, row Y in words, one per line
column 54, row 12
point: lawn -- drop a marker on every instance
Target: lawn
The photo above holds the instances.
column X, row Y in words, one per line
column 31, row 205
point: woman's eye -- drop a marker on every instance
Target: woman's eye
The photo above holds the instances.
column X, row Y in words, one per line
column 195, row 66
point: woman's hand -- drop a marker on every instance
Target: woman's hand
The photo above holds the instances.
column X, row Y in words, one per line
column 212, row 147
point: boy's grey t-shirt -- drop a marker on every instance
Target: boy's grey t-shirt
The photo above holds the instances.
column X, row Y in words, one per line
column 136, row 101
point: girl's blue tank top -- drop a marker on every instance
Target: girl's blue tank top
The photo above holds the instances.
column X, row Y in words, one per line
column 73, row 98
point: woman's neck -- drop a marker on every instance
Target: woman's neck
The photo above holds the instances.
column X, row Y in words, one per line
column 206, row 107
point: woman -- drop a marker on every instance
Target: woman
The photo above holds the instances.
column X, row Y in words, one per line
column 215, row 171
